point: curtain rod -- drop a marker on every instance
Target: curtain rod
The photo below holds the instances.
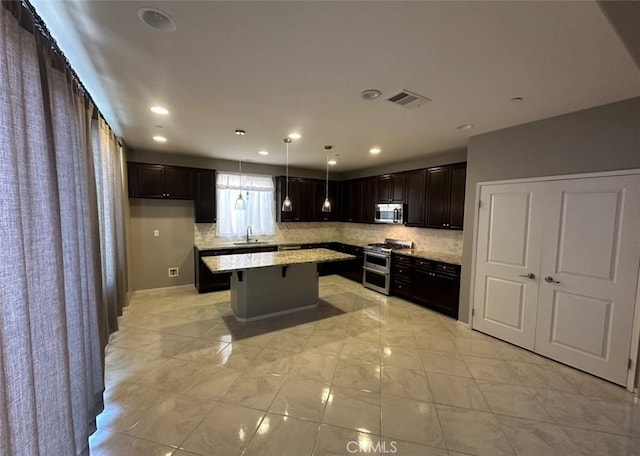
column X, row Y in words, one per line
column 39, row 24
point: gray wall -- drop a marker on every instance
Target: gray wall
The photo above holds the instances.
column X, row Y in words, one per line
column 150, row 257
column 604, row 138
column 144, row 156
column 426, row 161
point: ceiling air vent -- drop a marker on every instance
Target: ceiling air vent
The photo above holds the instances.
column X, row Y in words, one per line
column 409, row 100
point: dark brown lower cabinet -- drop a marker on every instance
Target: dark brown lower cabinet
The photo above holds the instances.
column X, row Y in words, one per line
column 351, row 269
column 427, row 282
column 206, row 281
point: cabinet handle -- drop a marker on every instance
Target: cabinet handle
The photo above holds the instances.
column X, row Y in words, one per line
column 550, row 279
column 530, row 275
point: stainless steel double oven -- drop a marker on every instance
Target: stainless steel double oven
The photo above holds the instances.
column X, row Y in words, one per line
column 377, row 264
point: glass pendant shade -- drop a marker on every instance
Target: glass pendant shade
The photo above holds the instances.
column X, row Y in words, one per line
column 286, row 205
column 240, row 204
column 326, row 206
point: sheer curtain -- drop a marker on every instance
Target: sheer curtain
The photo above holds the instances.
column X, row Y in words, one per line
column 53, row 311
column 258, row 191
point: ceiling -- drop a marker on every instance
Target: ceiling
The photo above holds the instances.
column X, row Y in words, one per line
column 272, row 68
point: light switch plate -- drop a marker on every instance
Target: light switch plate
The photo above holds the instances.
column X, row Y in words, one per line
column 156, row 233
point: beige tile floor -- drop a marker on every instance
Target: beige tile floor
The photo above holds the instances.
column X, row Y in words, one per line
column 360, row 374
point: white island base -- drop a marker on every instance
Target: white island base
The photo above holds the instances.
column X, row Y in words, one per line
column 276, row 290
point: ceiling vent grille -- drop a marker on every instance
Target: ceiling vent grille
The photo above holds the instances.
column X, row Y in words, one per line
column 409, row 100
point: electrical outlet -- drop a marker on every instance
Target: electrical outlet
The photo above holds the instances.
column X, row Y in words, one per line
column 174, row 272
column 156, row 233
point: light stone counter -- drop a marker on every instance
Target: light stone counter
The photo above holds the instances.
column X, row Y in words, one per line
column 268, row 284
column 242, row 261
column 429, row 255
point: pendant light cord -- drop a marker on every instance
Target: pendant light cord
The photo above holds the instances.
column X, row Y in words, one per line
column 287, row 143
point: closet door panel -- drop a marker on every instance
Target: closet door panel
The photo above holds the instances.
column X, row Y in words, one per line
column 589, row 274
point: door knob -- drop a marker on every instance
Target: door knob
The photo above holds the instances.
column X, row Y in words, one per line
column 530, row 275
column 550, row 279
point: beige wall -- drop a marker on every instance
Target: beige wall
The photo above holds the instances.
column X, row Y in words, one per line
column 150, row 257
column 604, row 138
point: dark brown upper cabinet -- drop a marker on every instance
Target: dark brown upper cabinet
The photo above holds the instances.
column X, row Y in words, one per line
column 369, row 199
column 415, row 185
column 391, row 188
column 307, row 196
column 205, row 196
column 352, row 201
column 445, row 196
column 160, row 181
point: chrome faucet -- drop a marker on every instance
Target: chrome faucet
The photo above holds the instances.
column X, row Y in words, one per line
column 249, row 231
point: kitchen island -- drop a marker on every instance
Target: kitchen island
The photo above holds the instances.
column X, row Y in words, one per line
column 266, row 284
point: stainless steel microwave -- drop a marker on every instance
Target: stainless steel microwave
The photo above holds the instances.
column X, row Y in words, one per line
column 390, row 213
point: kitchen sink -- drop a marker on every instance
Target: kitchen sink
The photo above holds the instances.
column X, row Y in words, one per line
column 251, row 243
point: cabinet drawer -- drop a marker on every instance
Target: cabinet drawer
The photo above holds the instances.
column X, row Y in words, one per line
column 448, row 268
column 401, row 260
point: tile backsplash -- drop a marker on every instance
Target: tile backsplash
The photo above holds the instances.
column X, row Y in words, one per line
column 444, row 241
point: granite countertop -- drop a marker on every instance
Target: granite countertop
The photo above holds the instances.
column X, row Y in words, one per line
column 429, row 255
column 229, row 263
column 238, row 246
column 267, row 244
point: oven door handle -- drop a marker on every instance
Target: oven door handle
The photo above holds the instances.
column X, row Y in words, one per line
column 377, row 255
column 377, row 271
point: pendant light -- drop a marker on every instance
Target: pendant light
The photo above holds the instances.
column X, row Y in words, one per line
column 326, row 206
column 286, row 204
column 240, row 203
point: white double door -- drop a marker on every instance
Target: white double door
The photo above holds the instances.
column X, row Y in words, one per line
column 557, row 269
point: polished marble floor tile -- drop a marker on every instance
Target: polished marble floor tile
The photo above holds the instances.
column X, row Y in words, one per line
column 409, row 383
column 533, row 438
column 226, row 429
column 353, row 409
column 280, row 435
column 492, row 370
column 171, row 420
column 513, row 400
column 355, row 374
column 375, row 372
column 473, row 432
column 254, row 390
column 335, row 441
column 457, row 391
column 301, row 399
column 411, row 420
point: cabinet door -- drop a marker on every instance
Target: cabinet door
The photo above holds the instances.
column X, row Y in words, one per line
column 178, row 182
column 306, row 209
column 456, row 206
column 384, row 189
column 148, row 181
column 415, row 197
column 354, row 201
column 438, row 195
column 396, row 189
column 369, row 200
column 205, row 196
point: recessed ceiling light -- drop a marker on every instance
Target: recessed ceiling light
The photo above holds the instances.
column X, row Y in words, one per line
column 375, row 151
column 263, row 152
column 517, row 99
column 370, row 94
column 332, row 162
column 161, row 139
column 295, row 136
column 157, row 20
column 159, row 110
column 465, row 127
